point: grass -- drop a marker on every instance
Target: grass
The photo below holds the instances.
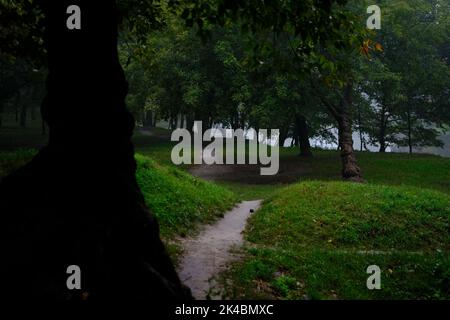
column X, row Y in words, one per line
column 180, row 201
column 316, row 239
column 419, row 170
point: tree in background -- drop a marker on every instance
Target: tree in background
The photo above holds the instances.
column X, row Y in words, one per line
column 407, row 84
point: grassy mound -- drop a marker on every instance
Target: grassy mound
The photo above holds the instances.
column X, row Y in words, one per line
column 316, row 240
column 179, row 200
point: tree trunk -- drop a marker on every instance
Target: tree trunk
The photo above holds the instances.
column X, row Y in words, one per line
column 148, row 119
column 382, row 133
column 182, row 121
column 77, row 202
column 361, row 142
column 155, row 119
column 282, row 137
column 410, row 134
column 189, row 122
column 303, row 136
column 23, row 115
column 16, row 107
column 43, row 128
column 350, row 168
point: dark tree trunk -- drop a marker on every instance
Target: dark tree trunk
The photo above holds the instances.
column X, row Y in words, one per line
column 350, row 168
column 182, row 121
column 190, row 122
column 382, row 133
column 155, row 119
column 148, row 119
column 16, row 107
column 77, row 202
column 410, row 133
column 43, row 127
column 361, row 142
column 1, row 113
column 283, row 137
column 303, row 136
column 23, row 115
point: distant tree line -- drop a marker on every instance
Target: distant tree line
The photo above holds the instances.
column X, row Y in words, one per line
column 248, row 64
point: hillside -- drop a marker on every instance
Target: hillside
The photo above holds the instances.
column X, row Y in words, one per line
column 314, row 240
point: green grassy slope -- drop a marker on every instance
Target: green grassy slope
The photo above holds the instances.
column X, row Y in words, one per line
column 179, row 200
column 316, row 240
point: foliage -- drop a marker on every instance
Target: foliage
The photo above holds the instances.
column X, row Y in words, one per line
column 407, row 83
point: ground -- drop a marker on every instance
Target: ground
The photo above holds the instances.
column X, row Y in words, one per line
column 314, row 236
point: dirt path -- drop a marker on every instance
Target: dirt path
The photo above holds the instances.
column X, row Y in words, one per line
column 209, row 253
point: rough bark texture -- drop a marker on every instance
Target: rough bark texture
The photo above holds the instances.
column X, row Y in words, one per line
column 77, row 202
column 350, row 168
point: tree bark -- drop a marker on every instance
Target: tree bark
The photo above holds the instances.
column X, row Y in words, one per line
column 182, row 121
column 350, row 168
column 283, row 136
column 303, row 136
column 77, row 202
column 23, row 115
column 360, row 129
column 409, row 133
column 148, row 119
column 382, row 133
column 155, row 119
column 43, row 127
column 190, row 122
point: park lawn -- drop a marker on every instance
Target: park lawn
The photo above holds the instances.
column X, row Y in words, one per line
column 315, row 240
column 400, row 187
column 397, row 169
column 420, row 170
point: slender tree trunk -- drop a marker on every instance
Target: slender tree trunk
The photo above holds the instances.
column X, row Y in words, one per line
column 23, row 115
column 360, row 129
column 382, row 132
column 409, row 133
column 350, row 168
column 148, row 119
column 77, row 202
column 16, row 107
column 1, row 113
column 303, row 136
column 282, row 137
column 43, row 127
column 190, row 122
column 182, row 121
